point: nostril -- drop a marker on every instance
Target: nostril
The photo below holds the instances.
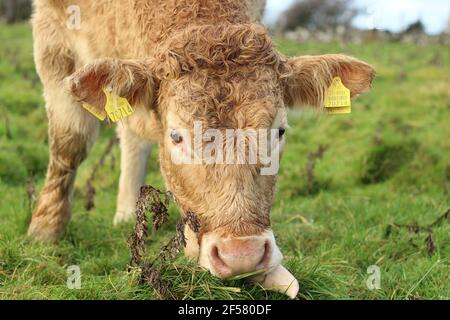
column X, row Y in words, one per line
column 215, row 254
column 217, row 261
column 265, row 260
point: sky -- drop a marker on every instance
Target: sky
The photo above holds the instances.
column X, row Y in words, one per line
column 393, row 15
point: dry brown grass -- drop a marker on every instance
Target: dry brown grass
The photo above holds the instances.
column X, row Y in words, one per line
column 157, row 202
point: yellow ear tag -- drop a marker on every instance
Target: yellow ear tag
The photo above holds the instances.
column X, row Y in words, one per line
column 337, row 98
column 117, row 107
column 93, row 110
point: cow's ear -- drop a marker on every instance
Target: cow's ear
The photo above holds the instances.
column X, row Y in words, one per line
column 311, row 76
column 130, row 79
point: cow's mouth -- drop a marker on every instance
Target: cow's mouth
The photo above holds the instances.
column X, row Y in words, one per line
column 231, row 257
column 257, row 257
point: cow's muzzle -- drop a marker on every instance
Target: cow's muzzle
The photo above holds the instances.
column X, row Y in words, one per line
column 228, row 257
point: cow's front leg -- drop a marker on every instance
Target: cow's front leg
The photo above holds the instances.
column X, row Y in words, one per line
column 72, row 132
column 133, row 167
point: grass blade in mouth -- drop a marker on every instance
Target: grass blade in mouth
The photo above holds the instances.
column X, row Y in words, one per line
column 248, row 275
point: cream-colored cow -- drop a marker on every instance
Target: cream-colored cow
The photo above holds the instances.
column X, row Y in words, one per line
column 178, row 62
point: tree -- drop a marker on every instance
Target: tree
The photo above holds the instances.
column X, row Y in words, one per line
column 318, row 15
column 415, row 27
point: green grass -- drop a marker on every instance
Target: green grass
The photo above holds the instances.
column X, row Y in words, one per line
column 387, row 163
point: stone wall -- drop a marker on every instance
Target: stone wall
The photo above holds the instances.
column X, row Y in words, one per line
column 352, row 35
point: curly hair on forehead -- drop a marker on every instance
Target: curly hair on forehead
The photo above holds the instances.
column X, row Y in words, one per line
column 221, row 49
column 239, row 100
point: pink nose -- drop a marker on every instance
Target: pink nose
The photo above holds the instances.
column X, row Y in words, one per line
column 238, row 256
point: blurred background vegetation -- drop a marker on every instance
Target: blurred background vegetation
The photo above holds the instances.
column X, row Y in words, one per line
column 15, row 10
column 354, row 191
column 318, row 14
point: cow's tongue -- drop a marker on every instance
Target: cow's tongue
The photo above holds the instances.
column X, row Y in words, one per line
column 279, row 280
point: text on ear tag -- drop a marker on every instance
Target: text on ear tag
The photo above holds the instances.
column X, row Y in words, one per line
column 338, row 98
column 117, row 107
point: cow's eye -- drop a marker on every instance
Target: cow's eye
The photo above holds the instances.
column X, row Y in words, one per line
column 281, row 132
column 176, row 137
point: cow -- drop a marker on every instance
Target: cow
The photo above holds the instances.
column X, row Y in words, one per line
column 177, row 63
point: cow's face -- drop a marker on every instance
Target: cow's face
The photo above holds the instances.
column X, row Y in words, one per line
column 218, row 95
column 216, row 164
column 224, row 122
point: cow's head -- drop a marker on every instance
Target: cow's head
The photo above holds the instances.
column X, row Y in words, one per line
column 199, row 85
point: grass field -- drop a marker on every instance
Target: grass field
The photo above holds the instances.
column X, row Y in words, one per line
column 388, row 163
